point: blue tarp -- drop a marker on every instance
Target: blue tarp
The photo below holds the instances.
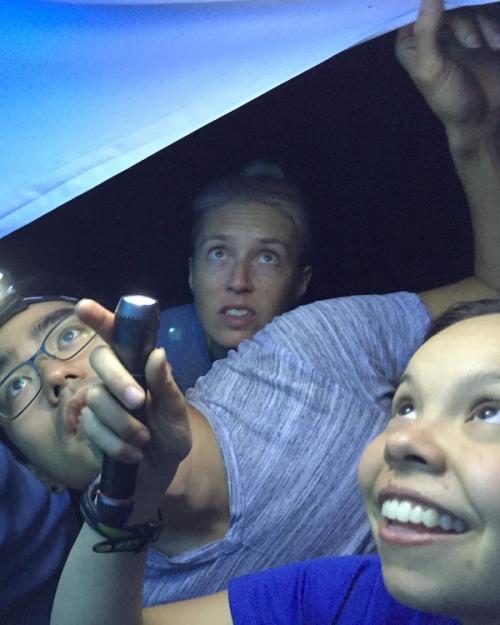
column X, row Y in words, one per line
column 88, row 89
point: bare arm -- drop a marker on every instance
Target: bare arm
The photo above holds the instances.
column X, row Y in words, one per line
column 460, row 80
column 106, row 589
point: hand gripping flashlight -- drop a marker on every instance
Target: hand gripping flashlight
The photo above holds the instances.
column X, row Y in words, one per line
column 136, row 323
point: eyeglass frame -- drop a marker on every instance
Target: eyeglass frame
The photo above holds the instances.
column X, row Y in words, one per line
column 43, row 351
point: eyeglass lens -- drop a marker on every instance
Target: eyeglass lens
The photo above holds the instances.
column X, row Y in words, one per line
column 22, row 385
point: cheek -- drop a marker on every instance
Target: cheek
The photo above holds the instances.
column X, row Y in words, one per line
column 481, row 480
column 33, row 436
column 370, row 465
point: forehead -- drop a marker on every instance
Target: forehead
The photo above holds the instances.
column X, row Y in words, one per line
column 252, row 219
column 16, row 332
column 473, row 343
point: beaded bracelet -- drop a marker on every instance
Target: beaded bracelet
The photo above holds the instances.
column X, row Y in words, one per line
column 134, row 538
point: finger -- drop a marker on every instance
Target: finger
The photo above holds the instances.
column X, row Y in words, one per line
column 426, row 30
column 490, row 30
column 102, row 438
column 170, row 431
column 115, row 417
column 406, row 46
column 116, row 378
column 97, row 317
column 165, row 396
column 465, row 30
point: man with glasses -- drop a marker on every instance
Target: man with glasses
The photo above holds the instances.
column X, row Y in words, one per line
column 44, row 372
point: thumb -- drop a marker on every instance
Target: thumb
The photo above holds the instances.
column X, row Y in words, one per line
column 406, row 47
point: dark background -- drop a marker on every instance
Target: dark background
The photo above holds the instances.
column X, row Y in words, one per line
column 353, row 133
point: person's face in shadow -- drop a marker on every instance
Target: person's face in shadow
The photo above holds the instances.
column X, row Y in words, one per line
column 245, row 271
column 431, row 480
column 49, row 392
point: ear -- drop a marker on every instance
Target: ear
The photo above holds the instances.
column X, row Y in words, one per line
column 303, row 281
column 190, row 278
column 52, row 485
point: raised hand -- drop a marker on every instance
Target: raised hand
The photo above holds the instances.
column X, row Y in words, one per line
column 454, row 60
column 166, row 440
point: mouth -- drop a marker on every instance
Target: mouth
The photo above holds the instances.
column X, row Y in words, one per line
column 413, row 520
column 72, row 411
column 237, row 316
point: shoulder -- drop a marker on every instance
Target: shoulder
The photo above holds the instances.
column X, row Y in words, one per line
column 341, row 590
column 185, row 312
column 317, row 591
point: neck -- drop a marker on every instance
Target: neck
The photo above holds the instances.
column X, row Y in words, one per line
column 215, row 351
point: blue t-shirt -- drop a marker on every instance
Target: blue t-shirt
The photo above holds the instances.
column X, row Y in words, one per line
column 343, row 591
column 36, row 532
column 183, row 337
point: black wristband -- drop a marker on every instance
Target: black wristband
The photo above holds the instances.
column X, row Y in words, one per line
column 134, row 538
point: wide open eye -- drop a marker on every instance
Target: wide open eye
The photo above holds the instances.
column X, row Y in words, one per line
column 215, row 254
column 17, row 390
column 16, row 385
column 267, row 257
column 487, row 412
column 404, row 408
column 68, row 338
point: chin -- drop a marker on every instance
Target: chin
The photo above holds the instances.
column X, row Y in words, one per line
column 418, row 592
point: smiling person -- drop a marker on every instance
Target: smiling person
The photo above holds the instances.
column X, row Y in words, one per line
column 263, row 454
column 430, row 488
column 251, row 242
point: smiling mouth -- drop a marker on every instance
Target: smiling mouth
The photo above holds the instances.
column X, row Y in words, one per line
column 403, row 515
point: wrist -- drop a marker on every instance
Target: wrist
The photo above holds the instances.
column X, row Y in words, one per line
column 471, row 141
column 132, row 537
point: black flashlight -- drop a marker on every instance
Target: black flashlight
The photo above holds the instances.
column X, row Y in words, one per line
column 137, row 319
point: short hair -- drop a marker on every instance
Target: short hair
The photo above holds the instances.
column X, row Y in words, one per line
column 260, row 182
column 462, row 311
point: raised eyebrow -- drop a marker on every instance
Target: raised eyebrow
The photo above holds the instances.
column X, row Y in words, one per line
column 43, row 324
column 214, row 238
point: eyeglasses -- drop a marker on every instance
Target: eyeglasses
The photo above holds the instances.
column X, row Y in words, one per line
column 20, row 387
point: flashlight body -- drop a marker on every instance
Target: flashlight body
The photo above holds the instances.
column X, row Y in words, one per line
column 134, row 337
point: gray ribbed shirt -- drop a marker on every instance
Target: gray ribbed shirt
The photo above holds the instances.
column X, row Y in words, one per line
column 292, row 411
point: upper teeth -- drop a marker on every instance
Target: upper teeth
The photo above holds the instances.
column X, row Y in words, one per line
column 409, row 512
column 237, row 312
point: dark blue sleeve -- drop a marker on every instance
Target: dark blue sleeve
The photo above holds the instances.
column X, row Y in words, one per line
column 344, row 591
column 183, row 338
column 36, row 531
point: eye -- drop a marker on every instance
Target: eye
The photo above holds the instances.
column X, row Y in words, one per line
column 404, row 408
column 268, row 258
column 17, row 385
column 216, row 254
column 14, row 388
column 489, row 413
column 67, row 337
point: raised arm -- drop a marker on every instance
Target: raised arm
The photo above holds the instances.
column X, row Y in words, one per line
column 454, row 60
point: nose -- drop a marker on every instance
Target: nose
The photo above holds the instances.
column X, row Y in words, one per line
column 240, row 279
column 414, row 446
column 56, row 375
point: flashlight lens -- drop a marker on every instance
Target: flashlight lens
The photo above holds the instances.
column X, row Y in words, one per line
column 139, row 300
